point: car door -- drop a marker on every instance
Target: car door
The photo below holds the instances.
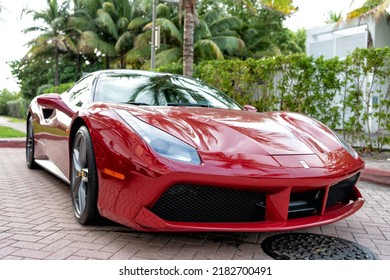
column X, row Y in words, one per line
column 58, row 124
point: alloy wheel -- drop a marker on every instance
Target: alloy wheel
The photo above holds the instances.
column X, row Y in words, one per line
column 79, row 174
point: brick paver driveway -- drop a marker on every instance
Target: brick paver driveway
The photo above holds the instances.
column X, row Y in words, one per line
column 36, row 222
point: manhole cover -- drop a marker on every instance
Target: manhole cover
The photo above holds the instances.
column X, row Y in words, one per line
column 308, row 246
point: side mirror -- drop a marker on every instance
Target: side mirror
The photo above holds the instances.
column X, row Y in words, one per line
column 54, row 101
column 250, row 108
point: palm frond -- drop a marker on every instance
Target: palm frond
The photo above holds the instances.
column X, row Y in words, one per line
column 39, row 49
column 109, row 8
column 137, row 55
column 124, row 43
column 212, row 16
column 230, row 33
column 124, row 8
column 121, row 25
column 284, row 7
column 60, row 44
column 164, row 58
column 163, row 11
column 168, row 56
column 229, row 44
column 168, row 27
column 89, row 41
column 207, row 50
column 376, row 7
column 70, row 44
column 41, row 39
column 202, row 31
column 35, row 28
column 80, row 24
column 143, row 39
column 228, row 23
column 250, row 34
column 104, row 22
column 91, row 6
column 138, row 23
column 258, row 43
column 58, row 23
column 141, row 7
column 41, row 15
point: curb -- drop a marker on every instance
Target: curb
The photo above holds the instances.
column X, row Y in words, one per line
column 13, row 143
column 376, row 175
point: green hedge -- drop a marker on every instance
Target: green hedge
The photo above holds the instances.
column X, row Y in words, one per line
column 18, row 108
column 12, row 104
column 5, row 96
column 57, row 89
column 325, row 89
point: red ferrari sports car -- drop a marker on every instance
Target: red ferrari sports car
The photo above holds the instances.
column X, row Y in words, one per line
column 161, row 152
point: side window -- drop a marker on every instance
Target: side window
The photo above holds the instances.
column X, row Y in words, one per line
column 79, row 94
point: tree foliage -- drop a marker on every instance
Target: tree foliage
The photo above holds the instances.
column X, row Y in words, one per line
column 80, row 35
column 376, row 7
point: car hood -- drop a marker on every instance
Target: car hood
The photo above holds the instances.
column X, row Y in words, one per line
column 233, row 131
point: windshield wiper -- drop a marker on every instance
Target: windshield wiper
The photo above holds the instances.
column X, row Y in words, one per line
column 191, row 105
column 137, row 103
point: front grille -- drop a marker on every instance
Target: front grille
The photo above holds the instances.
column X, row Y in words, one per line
column 195, row 203
column 341, row 192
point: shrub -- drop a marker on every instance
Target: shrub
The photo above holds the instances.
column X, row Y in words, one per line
column 18, row 108
column 6, row 96
column 173, row 68
column 58, row 89
column 351, row 95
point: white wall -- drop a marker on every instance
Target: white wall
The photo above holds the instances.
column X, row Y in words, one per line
column 340, row 40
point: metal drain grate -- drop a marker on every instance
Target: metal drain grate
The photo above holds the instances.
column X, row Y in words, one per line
column 309, row 246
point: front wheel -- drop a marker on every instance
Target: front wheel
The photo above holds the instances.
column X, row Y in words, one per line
column 83, row 179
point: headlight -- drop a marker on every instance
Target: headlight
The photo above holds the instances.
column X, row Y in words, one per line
column 163, row 143
column 346, row 146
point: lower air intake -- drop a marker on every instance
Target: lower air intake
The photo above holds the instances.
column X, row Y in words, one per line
column 195, row 203
column 342, row 191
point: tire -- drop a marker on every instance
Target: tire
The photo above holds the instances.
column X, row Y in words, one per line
column 30, row 148
column 83, row 178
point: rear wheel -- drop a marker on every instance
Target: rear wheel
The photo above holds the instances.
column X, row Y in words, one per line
column 30, row 160
column 83, row 179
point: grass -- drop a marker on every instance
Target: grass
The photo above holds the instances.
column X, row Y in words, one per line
column 8, row 132
column 15, row 120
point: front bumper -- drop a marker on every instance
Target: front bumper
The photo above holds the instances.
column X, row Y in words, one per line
column 179, row 202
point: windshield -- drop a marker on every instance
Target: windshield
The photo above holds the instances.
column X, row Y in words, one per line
column 159, row 90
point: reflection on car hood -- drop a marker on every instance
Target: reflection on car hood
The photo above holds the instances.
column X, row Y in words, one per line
column 232, row 131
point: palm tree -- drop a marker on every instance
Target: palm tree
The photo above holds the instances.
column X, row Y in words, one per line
column 333, row 17
column 52, row 37
column 104, row 28
column 188, row 35
column 190, row 18
column 215, row 37
column 376, row 7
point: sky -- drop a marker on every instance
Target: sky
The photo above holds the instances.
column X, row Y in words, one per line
column 311, row 13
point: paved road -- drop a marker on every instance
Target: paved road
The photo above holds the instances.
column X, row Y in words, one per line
column 36, row 222
column 21, row 126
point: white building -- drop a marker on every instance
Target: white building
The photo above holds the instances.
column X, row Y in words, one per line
column 342, row 39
